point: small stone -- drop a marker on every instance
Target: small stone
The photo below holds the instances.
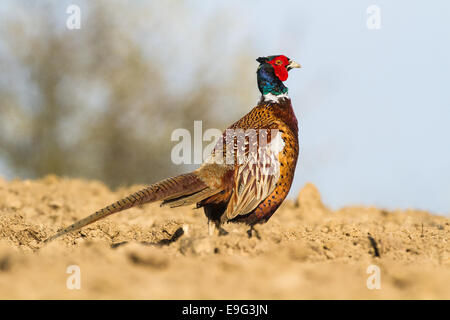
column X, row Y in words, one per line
column 55, row 204
column 325, row 229
column 329, row 254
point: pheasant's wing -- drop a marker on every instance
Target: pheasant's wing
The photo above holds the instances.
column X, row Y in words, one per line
column 255, row 175
column 248, row 161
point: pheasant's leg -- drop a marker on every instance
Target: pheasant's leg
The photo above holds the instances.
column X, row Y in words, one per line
column 253, row 230
column 211, row 227
column 222, row 231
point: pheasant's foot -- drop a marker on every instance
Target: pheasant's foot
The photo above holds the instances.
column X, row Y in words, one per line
column 253, row 231
column 222, row 231
column 214, row 228
column 211, row 228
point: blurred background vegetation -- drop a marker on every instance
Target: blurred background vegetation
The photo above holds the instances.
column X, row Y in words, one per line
column 101, row 102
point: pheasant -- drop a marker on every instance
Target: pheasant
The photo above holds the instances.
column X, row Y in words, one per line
column 250, row 171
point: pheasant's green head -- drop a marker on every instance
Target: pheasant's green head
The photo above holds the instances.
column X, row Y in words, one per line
column 271, row 73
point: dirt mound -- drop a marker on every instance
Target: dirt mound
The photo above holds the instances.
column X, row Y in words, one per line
column 305, row 250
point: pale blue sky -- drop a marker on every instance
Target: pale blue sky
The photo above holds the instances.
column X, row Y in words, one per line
column 373, row 105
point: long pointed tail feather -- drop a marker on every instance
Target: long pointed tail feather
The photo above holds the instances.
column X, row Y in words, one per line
column 166, row 189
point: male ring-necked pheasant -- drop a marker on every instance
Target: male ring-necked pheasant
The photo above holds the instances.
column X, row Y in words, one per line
column 249, row 173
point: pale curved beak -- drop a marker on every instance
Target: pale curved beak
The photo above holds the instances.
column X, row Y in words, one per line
column 293, row 65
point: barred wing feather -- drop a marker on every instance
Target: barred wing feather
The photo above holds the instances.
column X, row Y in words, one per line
column 256, row 178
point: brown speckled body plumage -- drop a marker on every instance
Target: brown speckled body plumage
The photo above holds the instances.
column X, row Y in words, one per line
column 266, row 115
column 284, row 117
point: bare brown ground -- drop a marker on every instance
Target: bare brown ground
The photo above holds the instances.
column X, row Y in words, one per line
column 305, row 251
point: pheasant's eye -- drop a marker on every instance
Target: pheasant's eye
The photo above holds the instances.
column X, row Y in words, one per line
column 278, row 62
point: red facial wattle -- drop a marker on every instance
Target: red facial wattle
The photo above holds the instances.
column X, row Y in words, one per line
column 279, row 65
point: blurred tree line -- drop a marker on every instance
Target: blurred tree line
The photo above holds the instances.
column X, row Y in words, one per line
column 101, row 102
